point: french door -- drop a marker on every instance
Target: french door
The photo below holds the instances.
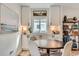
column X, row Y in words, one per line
column 39, row 25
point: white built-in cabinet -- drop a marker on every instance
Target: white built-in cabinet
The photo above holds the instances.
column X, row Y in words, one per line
column 56, row 16
column 25, row 15
column 25, row 21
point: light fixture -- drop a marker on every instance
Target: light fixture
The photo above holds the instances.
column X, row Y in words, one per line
column 55, row 29
column 23, row 29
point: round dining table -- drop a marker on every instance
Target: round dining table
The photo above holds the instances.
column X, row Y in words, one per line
column 52, row 44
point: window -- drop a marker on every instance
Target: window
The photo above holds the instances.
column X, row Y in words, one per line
column 39, row 26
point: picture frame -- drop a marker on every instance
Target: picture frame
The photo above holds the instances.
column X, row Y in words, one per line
column 9, row 20
column 39, row 12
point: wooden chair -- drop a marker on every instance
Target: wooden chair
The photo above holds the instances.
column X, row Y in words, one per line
column 34, row 51
column 67, row 49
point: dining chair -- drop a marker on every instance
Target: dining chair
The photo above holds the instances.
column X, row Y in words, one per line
column 43, row 42
column 33, row 48
column 55, row 43
column 67, row 49
column 38, row 42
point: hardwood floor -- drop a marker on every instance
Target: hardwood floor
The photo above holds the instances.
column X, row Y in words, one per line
column 75, row 53
column 27, row 53
column 24, row 53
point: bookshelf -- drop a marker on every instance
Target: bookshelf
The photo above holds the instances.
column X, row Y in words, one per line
column 71, row 29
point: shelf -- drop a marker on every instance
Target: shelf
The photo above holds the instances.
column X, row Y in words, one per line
column 72, row 28
column 73, row 35
column 75, row 28
column 75, row 49
column 71, row 22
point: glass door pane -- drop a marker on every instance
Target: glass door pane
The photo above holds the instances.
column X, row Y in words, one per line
column 43, row 26
column 36, row 26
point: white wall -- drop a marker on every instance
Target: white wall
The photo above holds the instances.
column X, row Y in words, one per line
column 71, row 11
column 16, row 8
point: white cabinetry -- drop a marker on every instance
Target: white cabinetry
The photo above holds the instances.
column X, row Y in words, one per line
column 25, row 15
column 56, row 16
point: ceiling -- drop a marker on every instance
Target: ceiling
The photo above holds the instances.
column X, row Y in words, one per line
column 37, row 5
column 47, row 5
column 75, row 5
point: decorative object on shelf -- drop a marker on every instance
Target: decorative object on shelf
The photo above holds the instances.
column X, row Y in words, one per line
column 75, row 26
column 75, row 33
column 74, row 18
column 66, row 27
column 54, row 30
column 65, row 18
column 30, row 29
column 66, row 37
column 74, row 44
column 33, row 38
column 70, row 20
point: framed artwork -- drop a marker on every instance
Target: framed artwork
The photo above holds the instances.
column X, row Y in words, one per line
column 39, row 12
column 9, row 20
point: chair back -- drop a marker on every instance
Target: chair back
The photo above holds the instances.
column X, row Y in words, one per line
column 43, row 42
column 34, row 51
column 67, row 49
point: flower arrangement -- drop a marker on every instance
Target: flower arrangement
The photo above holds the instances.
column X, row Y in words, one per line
column 30, row 29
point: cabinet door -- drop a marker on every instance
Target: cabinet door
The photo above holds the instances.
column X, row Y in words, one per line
column 25, row 15
column 43, row 26
column 36, row 26
column 56, row 14
column 56, row 17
